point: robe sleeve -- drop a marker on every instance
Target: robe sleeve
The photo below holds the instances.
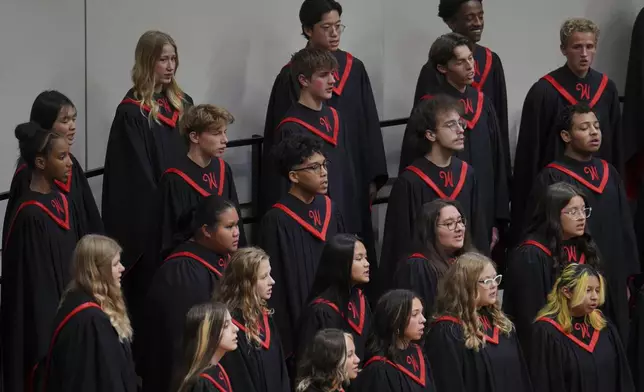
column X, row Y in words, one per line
column 547, row 360
column 617, row 144
column 237, row 368
column 421, row 279
column 501, row 169
column 624, row 373
column 90, row 209
column 632, row 130
column 445, row 350
column 376, row 378
column 19, row 185
column 500, row 103
column 481, row 236
column 315, row 318
column 631, row 254
column 232, row 196
column 636, row 342
column 96, row 358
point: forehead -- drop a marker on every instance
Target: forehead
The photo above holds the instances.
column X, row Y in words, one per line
column 469, row 8
column 449, row 212
column 59, row 145
column 416, row 304
column 67, row 111
column 448, row 115
column 488, row 270
column 331, row 17
column 576, row 201
column 462, row 52
column 581, row 118
column 168, row 50
column 581, row 38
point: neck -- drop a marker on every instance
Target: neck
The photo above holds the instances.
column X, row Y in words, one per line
column 158, row 88
column 302, row 194
column 439, row 156
column 402, row 343
column 40, row 184
column 197, row 156
column 310, row 101
column 579, row 74
column 565, row 236
column 577, row 313
column 578, row 156
column 459, row 87
column 219, row 354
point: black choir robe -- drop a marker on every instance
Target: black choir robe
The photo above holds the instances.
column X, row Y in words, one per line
column 36, row 268
column 253, row 366
column 585, row 360
column 419, row 275
column 77, row 189
column 181, row 188
column 420, row 183
column 323, row 313
column 411, row 374
column 188, row 277
column 213, row 379
column 539, row 142
column 87, row 354
column 353, row 98
column 632, row 130
column 293, row 234
column 138, row 153
column 635, row 346
column 529, row 278
column 327, row 126
column 489, row 78
column 497, row 367
column 483, row 151
column 610, row 224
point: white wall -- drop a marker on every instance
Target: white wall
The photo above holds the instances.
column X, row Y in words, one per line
column 230, row 53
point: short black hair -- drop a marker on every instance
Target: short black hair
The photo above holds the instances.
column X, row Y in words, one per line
column 311, row 12
column 442, row 50
column 568, row 113
column 447, row 9
column 34, row 141
column 293, row 150
column 423, row 117
column 47, row 107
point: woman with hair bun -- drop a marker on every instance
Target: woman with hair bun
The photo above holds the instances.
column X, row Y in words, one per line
column 189, row 275
column 36, row 255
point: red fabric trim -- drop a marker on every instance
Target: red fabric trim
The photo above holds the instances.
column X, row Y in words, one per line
column 336, row 127
column 577, row 177
column 168, row 121
column 221, row 262
column 572, row 100
column 20, row 168
column 421, row 364
column 226, row 380
column 477, row 115
column 495, row 334
column 266, row 343
column 345, row 75
column 327, row 218
column 588, row 347
column 359, row 328
column 486, row 71
column 432, row 184
column 538, row 245
column 417, row 256
column 62, row 223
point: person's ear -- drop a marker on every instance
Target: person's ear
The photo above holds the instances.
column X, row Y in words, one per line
column 304, row 82
column 566, row 136
column 430, row 135
column 194, row 137
column 293, row 177
column 567, row 293
column 40, row 163
column 442, row 69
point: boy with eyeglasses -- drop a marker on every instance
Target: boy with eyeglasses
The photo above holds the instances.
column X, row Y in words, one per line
column 351, row 94
column 439, row 130
column 293, row 232
column 611, row 224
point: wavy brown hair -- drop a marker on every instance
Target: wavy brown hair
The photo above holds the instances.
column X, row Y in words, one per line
column 147, row 53
column 457, row 295
column 238, row 289
column 323, row 365
column 92, row 273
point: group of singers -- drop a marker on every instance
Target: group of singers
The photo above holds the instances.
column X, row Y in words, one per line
column 162, row 291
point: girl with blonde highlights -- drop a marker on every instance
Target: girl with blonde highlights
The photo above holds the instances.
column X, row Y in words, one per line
column 144, row 141
column 91, row 350
column 470, row 332
column 575, row 348
column 258, row 364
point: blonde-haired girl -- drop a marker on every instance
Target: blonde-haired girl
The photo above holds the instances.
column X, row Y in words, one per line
column 472, row 345
column 575, row 348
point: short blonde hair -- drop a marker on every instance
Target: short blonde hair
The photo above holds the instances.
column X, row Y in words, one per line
column 201, row 118
column 577, row 25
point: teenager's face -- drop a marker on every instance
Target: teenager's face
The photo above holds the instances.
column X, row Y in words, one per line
column 224, row 239
column 312, row 175
column 65, row 123
column 585, row 136
column 488, row 288
column 166, row 65
column 321, row 84
column 265, row 281
column 449, row 133
column 591, row 298
column 58, row 164
column 580, row 51
column 360, row 266
column 117, row 269
column 228, row 341
column 460, row 69
column 326, row 33
column 468, row 21
column 573, row 218
column 450, row 240
column 212, row 142
column 416, row 326
column 352, row 364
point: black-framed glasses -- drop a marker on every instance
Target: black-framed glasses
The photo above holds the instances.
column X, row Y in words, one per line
column 452, row 225
column 491, row 281
column 315, row 168
column 579, row 213
column 339, row 28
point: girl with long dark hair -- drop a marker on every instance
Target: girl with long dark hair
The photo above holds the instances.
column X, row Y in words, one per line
column 336, row 299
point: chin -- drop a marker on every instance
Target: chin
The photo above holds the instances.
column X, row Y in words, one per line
column 323, row 191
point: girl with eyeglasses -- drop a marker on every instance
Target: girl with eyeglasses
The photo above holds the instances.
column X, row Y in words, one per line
column 396, row 361
column 441, row 235
column 472, row 345
column 557, row 236
column 576, row 349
